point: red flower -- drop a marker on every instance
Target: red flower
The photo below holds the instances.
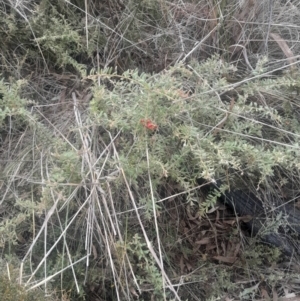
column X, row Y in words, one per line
column 147, row 123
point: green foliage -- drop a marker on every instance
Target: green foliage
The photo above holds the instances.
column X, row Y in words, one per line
column 185, row 146
column 11, row 104
column 147, row 271
column 166, row 129
column 210, row 200
column 46, row 35
column 11, row 290
column 178, row 126
column 58, row 37
column 23, row 214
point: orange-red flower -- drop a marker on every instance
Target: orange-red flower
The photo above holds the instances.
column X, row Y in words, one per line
column 147, row 123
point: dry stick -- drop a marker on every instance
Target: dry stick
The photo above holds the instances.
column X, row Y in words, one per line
column 85, row 139
column 45, row 252
column 253, row 137
column 68, row 252
column 115, row 214
column 155, row 219
column 86, row 142
column 115, row 276
column 104, row 202
column 235, row 85
column 58, row 239
column 103, row 25
column 61, row 227
column 87, row 157
column 112, row 238
column 167, row 198
column 95, row 175
column 244, row 51
column 263, row 140
column 147, row 239
column 86, row 24
column 270, row 9
column 120, row 236
column 57, row 130
column 107, row 234
column 49, row 214
column 284, row 47
column 57, row 273
column 34, row 36
column 200, row 43
column 262, row 123
column 222, row 122
column 11, row 179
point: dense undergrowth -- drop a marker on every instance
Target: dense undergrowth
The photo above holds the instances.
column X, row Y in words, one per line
column 116, row 116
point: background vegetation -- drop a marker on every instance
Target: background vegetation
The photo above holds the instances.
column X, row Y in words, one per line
column 116, row 116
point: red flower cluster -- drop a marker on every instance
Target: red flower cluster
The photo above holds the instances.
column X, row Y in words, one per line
column 147, row 123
